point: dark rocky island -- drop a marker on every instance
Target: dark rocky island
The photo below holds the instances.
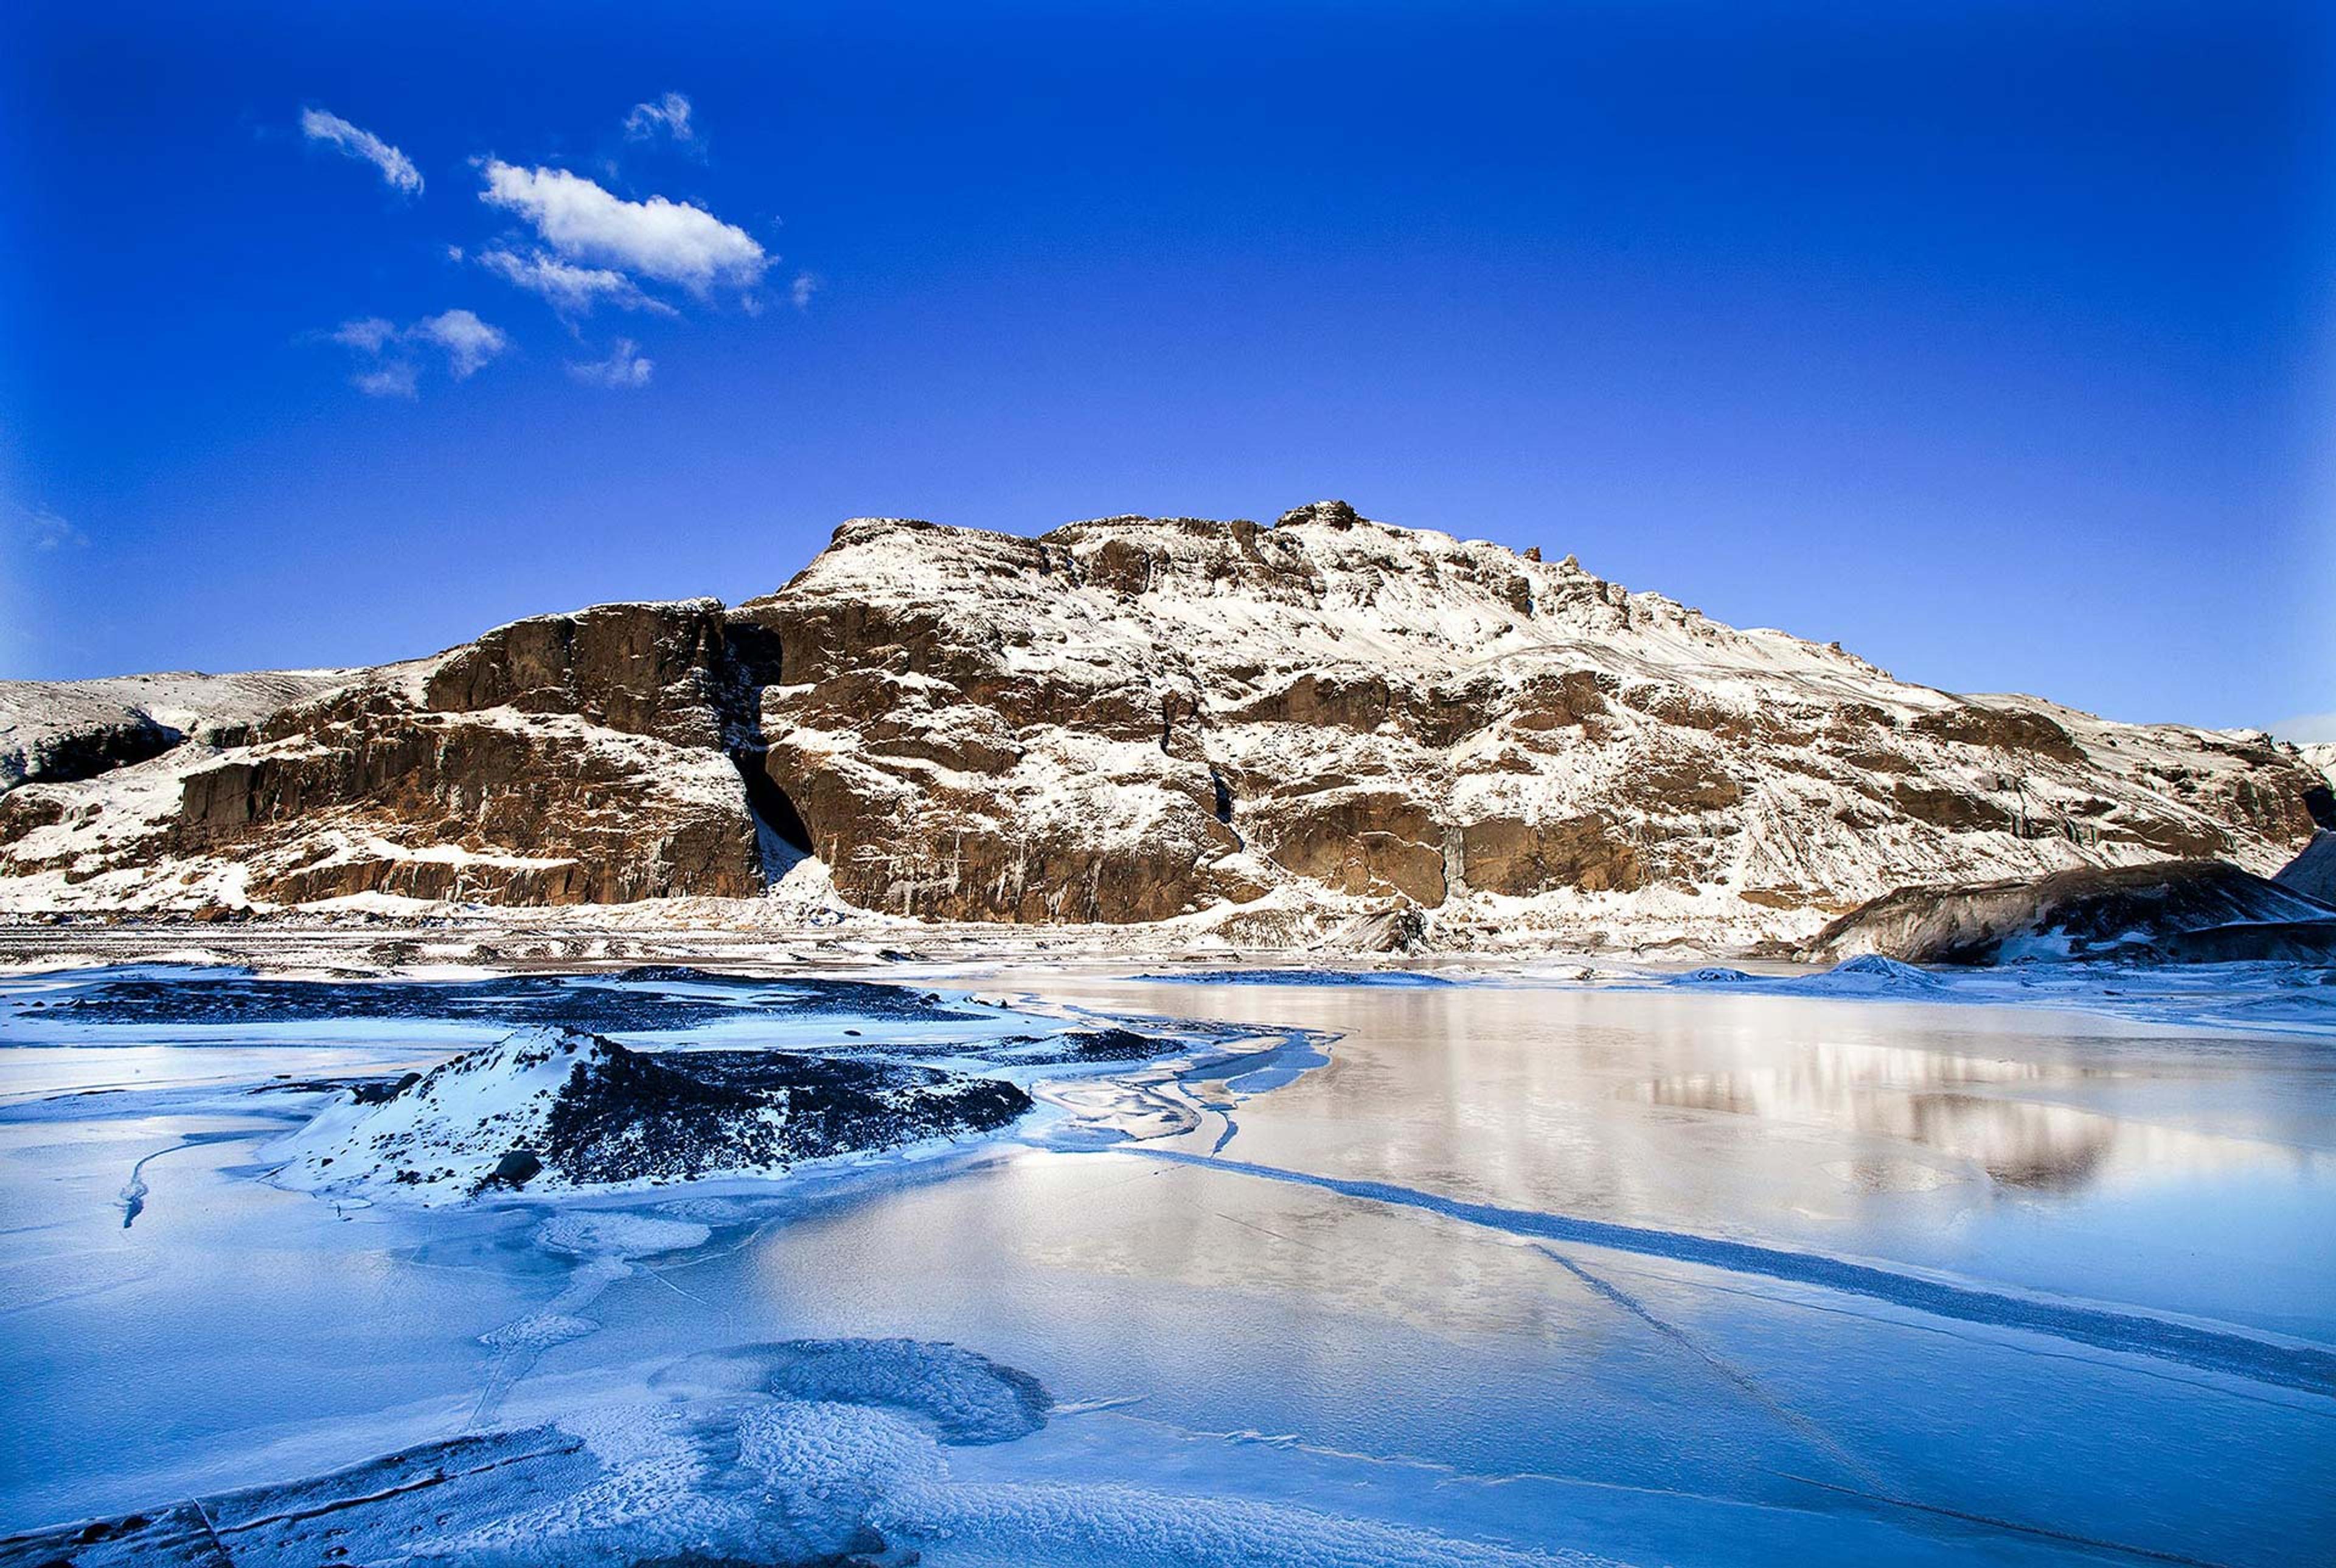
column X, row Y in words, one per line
column 561, row 1109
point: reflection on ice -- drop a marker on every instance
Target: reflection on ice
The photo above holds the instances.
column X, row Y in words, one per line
column 1998, row 1117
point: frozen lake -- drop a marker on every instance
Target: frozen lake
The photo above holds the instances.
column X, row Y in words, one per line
column 1504, row 1272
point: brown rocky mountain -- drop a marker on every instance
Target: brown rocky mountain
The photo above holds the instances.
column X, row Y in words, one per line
column 1138, row 719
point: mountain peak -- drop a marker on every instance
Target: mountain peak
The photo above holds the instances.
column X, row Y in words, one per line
column 1324, row 514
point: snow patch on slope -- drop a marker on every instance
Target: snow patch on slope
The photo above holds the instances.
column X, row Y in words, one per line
column 442, row 1137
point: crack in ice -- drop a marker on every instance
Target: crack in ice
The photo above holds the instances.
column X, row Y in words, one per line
column 2300, row 1366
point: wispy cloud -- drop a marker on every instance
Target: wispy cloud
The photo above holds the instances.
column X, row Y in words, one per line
column 624, row 367
column 398, row 379
column 667, row 117
column 357, row 142
column 40, row 530
column 573, row 290
column 668, row 241
column 386, row 363
column 800, row 290
column 366, row 335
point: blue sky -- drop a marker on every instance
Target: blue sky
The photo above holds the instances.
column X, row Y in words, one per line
column 1992, row 341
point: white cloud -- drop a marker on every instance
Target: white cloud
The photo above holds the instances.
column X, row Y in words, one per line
column 573, row 290
column 802, row 289
column 668, row 116
column 396, row 379
column 671, row 241
column 383, row 349
column 623, row 367
column 355, row 142
column 468, row 341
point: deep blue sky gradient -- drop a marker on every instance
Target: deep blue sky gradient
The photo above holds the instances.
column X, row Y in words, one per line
column 1991, row 340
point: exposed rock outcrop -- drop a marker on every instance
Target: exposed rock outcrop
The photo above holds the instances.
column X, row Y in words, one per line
column 2251, row 942
column 587, row 758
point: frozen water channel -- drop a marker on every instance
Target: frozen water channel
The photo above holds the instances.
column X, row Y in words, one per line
column 1507, row 1271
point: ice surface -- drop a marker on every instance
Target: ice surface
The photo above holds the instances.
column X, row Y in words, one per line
column 602, row 1234
column 1735, row 1269
column 964, row 1397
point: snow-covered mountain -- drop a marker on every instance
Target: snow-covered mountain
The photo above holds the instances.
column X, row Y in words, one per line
column 1141, row 719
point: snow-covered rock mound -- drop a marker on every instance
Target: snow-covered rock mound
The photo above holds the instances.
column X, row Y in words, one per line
column 2154, row 911
column 1868, row 975
column 1872, row 974
column 561, row 1109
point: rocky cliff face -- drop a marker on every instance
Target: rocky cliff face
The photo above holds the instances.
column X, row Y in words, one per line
column 587, row 758
column 1129, row 719
column 1134, row 719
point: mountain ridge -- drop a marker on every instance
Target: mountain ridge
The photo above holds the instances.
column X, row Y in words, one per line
column 1134, row 719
